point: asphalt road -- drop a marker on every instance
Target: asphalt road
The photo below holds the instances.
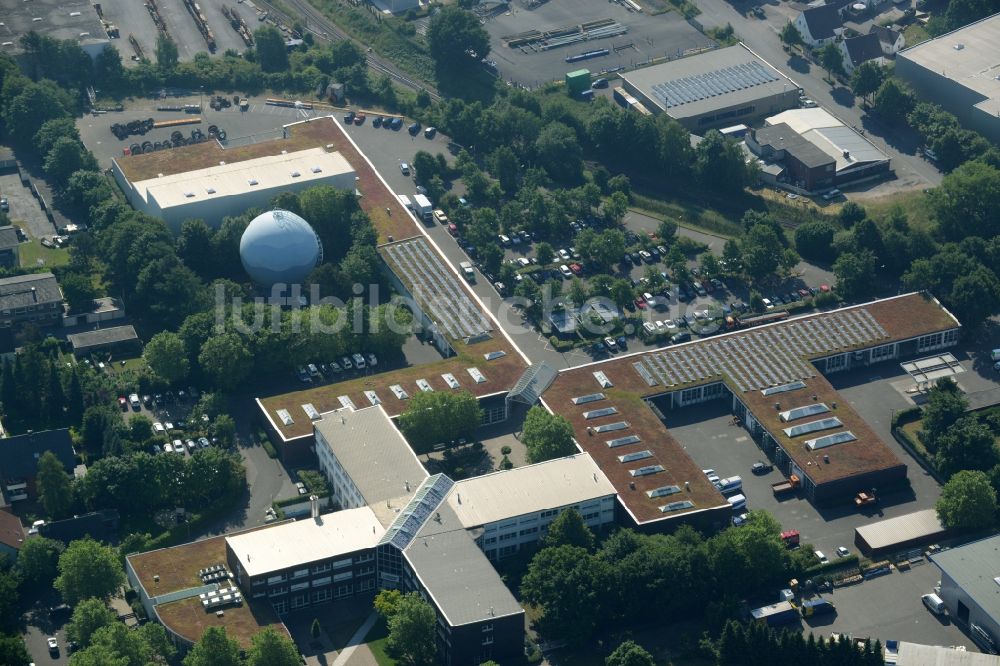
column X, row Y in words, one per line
column 761, row 36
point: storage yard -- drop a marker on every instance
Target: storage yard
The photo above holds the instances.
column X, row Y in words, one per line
column 532, row 46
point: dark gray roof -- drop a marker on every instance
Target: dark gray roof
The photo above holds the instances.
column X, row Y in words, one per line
column 11, row 530
column 100, row 525
column 456, row 574
column 8, row 235
column 822, row 21
column 28, row 290
column 863, row 48
column 19, row 455
column 102, row 336
column 975, row 567
column 885, row 35
column 783, row 137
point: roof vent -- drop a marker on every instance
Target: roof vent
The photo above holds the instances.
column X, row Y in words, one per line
column 959, row 46
column 251, row 181
column 295, row 174
column 36, row 19
column 316, row 169
column 74, row 13
column 222, row 163
column 189, row 194
column 210, row 190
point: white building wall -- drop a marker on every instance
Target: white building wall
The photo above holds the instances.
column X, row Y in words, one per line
column 342, row 488
column 952, row 594
column 505, row 537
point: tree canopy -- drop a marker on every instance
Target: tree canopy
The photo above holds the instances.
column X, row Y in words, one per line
column 87, row 568
column 967, row 501
column 439, row 418
column 546, row 435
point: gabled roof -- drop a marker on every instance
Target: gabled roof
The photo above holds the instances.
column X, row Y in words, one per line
column 19, row 455
column 29, row 290
column 11, row 530
column 885, row 35
column 863, row 48
column 822, row 21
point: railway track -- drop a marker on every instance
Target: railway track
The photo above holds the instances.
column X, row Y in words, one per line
column 323, row 28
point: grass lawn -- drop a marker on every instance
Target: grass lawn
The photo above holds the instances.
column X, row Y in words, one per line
column 912, row 430
column 913, row 203
column 915, row 33
column 376, row 640
column 33, row 254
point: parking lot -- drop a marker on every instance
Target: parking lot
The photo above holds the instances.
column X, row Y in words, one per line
column 24, row 207
column 665, row 35
column 133, row 18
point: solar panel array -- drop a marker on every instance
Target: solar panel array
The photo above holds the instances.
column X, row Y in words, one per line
column 712, row 84
column 813, row 426
column 436, row 288
column 765, row 358
column 425, row 501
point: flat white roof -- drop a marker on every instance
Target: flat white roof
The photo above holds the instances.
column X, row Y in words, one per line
column 552, row 484
column 885, row 533
column 914, row 654
column 262, row 173
column 968, row 56
column 307, row 540
column 803, row 120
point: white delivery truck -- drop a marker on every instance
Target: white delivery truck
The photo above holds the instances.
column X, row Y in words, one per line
column 422, row 207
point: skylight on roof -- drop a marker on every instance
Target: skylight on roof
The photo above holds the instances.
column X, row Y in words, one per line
column 476, row 375
column 637, row 455
column 830, row 440
column 295, row 174
column 622, row 441
column 602, row 379
column 317, row 169
column 813, row 426
column 610, row 427
column 311, row 412
column 598, row 413
column 676, row 506
column 663, row 491
column 647, row 470
column 494, row 355
column 252, row 181
column 590, row 397
column 784, row 388
column 285, row 417
column 804, row 411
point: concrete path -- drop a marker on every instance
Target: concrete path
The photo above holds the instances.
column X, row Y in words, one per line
column 357, row 640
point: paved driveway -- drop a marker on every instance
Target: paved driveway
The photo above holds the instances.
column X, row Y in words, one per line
column 24, row 207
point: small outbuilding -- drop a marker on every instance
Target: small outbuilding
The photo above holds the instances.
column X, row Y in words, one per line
column 899, row 533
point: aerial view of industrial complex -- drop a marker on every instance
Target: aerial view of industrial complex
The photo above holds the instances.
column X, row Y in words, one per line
column 499, row 332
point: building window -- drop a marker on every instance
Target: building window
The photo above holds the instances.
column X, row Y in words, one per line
column 592, row 516
column 280, row 607
column 281, row 589
column 837, row 362
column 344, row 591
column 271, row 580
column 317, row 582
column 321, row 568
column 300, row 586
column 508, row 536
column 366, row 557
column 366, row 584
column 508, row 550
column 488, row 626
column 530, row 530
column 319, row 596
column 300, row 573
column 340, row 564
column 549, row 513
column 347, row 575
column 490, row 540
column 300, row 601
column 366, row 571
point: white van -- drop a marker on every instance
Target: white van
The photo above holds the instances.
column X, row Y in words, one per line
column 995, row 355
column 933, row 603
column 405, row 200
column 729, row 485
column 737, row 501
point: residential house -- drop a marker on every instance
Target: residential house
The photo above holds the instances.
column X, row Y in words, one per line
column 19, row 460
column 11, row 535
column 100, row 525
column 819, row 25
column 890, row 38
column 863, row 48
column 34, row 298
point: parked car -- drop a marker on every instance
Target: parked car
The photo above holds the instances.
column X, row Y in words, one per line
column 761, row 467
column 158, row 428
column 372, row 360
column 611, row 344
column 821, row 557
column 413, row 129
column 53, row 644
column 133, row 400
column 346, row 362
column 404, row 168
column 359, row 360
column 430, row 132
column 842, row 551
column 178, row 446
column 377, row 121
column 565, row 271
column 123, row 403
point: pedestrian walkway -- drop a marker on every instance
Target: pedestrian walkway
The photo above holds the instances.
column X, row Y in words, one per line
column 357, row 640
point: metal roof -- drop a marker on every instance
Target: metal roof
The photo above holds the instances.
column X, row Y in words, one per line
column 417, row 511
column 102, row 336
column 75, row 20
column 900, row 529
column 372, row 452
column 307, row 540
column 913, row 654
column 533, row 382
column 456, row 574
column 975, row 567
column 725, row 77
column 548, row 485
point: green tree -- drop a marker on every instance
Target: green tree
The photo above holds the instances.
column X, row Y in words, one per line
column 166, row 356
column 761, row 251
column 436, row 417
column 166, row 53
column 831, row 59
column 412, row 630
column 54, row 485
column 269, row 648
column 855, row 273
column 568, row 529
column 814, row 241
column 67, row 156
column 630, row 653
column 53, row 130
column 866, row 79
column 214, row 648
column 544, row 253
column 893, row 101
column 224, row 427
column 13, row 652
column 546, row 435
column 851, row 213
column 975, row 296
column 968, row 202
column 559, row 152
column 720, row 164
column 271, row 51
column 571, row 587
column 79, row 291
column 29, row 110
column 89, row 616
column 226, row 360
column 88, row 568
column 967, row 445
column 387, row 603
column 790, row 35
column 452, row 35
column 38, row 562
column 945, row 405
column 967, row 501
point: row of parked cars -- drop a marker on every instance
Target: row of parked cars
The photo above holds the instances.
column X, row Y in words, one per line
column 315, row 373
column 190, row 445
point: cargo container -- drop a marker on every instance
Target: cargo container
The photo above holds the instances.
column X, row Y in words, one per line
column 777, row 614
column 577, row 81
column 817, row 607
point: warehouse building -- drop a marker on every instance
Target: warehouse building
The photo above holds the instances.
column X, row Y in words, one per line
column 816, row 151
column 115, row 339
column 76, row 20
column 714, row 89
column 970, row 588
column 958, row 70
column 230, row 187
column 910, row 530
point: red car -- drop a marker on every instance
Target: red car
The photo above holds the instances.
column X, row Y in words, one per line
column 452, row 229
column 123, row 403
column 360, row 118
column 577, row 269
column 824, row 288
column 804, row 293
column 640, row 302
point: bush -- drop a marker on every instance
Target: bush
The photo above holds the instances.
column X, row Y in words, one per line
column 269, row 448
column 826, row 299
column 851, row 560
column 906, row 416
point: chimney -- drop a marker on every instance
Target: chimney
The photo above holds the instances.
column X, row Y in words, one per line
column 34, row 295
column 314, row 506
column 407, row 484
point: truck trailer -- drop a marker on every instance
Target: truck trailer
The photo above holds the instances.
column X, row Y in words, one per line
column 422, row 207
column 777, row 614
column 817, row 607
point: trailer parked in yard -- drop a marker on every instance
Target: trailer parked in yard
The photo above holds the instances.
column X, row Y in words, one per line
column 777, row 614
column 817, row 607
column 784, row 487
